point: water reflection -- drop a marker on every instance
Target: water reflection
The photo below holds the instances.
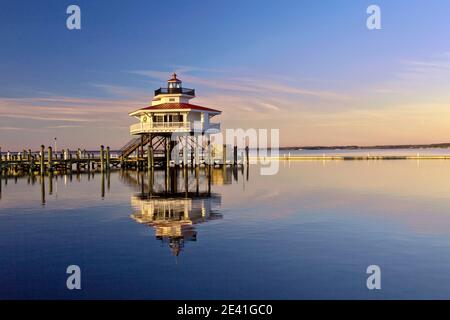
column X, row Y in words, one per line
column 173, row 218
column 172, row 202
column 316, row 223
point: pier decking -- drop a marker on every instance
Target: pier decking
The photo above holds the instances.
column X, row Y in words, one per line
column 45, row 160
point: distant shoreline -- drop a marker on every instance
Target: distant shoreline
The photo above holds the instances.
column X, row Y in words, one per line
column 387, row 147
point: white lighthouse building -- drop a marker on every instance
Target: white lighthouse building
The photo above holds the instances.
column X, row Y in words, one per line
column 171, row 112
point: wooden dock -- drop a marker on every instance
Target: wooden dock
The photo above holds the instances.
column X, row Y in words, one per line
column 47, row 161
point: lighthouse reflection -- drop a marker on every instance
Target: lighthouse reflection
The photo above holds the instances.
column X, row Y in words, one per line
column 174, row 219
column 173, row 202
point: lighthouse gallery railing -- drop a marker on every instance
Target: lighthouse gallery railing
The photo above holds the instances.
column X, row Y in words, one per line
column 158, row 126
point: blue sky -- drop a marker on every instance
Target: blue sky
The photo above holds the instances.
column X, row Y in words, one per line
column 310, row 68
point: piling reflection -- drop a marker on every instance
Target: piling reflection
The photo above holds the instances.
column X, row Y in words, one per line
column 174, row 201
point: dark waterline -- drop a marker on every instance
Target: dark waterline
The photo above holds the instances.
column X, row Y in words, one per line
column 308, row 232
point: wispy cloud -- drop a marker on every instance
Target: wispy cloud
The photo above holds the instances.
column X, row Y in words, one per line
column 418, row 76
column 67, row 109
column 95, row 120
column 263, row 86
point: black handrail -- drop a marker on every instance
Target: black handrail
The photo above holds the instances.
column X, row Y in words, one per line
column 186, row 91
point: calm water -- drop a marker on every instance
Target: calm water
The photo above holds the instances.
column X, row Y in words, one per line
column 308, row 232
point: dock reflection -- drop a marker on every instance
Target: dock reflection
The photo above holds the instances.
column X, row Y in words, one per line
column 173, row 202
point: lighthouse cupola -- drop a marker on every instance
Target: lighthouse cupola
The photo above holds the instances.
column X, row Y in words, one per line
column 174, row 82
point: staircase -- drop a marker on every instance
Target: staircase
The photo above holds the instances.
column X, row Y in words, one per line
column 132, row 145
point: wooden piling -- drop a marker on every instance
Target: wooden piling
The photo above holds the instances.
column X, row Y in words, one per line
column 167, row 152
column 185, row 150
column 149, row 158
column 88, row 162
column 41, row 160
column 197, row 159
column 30, row 161
column 247, row 155
column 78, row 159
column 209, row 156
column 50, row 158
column 70, row 162
column 224, row 155
column 102, row 158
column 107, row 158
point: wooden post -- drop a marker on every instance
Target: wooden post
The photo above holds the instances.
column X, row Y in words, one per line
column 192, row 154
column 42, row 156
column 167, row 152
column 30, row 161
column 88, row 162
column 78, row 159
column 235, row 155
column 107, row 158
column 102, row 159
column 149, row 157
column 197, row 158
column 69, row 159
column 142, row 146
column 50, row 158
column 224, row 155
column 185, row 150
column 246, row 155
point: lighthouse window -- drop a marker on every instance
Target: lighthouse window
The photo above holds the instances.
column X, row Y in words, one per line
column 176, row 118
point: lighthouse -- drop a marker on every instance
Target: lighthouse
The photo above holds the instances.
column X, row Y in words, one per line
column 170, row 112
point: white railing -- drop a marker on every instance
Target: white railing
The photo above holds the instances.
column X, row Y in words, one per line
column 169, row 127
column 159, row 127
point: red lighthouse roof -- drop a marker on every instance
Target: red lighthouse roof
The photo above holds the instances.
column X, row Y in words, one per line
column 178, row 105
